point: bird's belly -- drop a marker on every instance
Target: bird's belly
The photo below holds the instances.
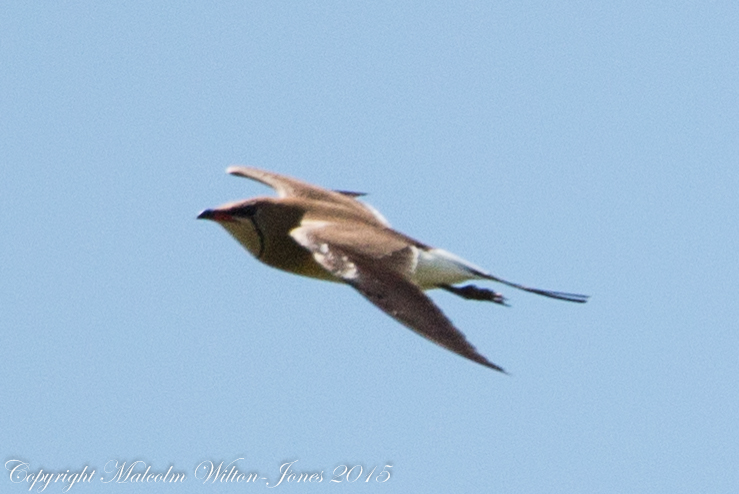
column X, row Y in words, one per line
column 437, row 267
column 293, row 258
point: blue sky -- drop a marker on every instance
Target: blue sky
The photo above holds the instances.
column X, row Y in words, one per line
column 573, row 146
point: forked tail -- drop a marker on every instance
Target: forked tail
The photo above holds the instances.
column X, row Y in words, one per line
column 569, row 297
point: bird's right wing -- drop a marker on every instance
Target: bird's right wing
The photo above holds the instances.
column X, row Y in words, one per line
column 389, row 290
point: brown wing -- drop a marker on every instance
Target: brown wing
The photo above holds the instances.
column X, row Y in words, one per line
column 389, row 290
column 291, row 187
column 285, row 186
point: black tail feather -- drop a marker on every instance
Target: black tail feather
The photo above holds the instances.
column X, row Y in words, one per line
column 569, row 297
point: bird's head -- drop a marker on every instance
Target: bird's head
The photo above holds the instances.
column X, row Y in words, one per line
column 241, row 219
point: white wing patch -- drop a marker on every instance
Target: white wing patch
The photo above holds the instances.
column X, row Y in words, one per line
column 302, row 234
column 338, row 264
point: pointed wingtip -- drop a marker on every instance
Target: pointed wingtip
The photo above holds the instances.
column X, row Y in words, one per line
column 483, row 361
column 350, row 193
column 499, row 369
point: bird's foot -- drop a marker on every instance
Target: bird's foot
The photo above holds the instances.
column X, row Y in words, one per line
column 472, row 292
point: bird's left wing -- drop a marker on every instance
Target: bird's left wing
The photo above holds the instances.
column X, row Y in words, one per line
column 292, row 187
column 284, row 186
column 389, row 290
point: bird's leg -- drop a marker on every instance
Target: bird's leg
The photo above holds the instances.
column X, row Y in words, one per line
column 472, row 292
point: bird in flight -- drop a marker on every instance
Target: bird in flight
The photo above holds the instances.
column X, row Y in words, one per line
column 330, row 235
